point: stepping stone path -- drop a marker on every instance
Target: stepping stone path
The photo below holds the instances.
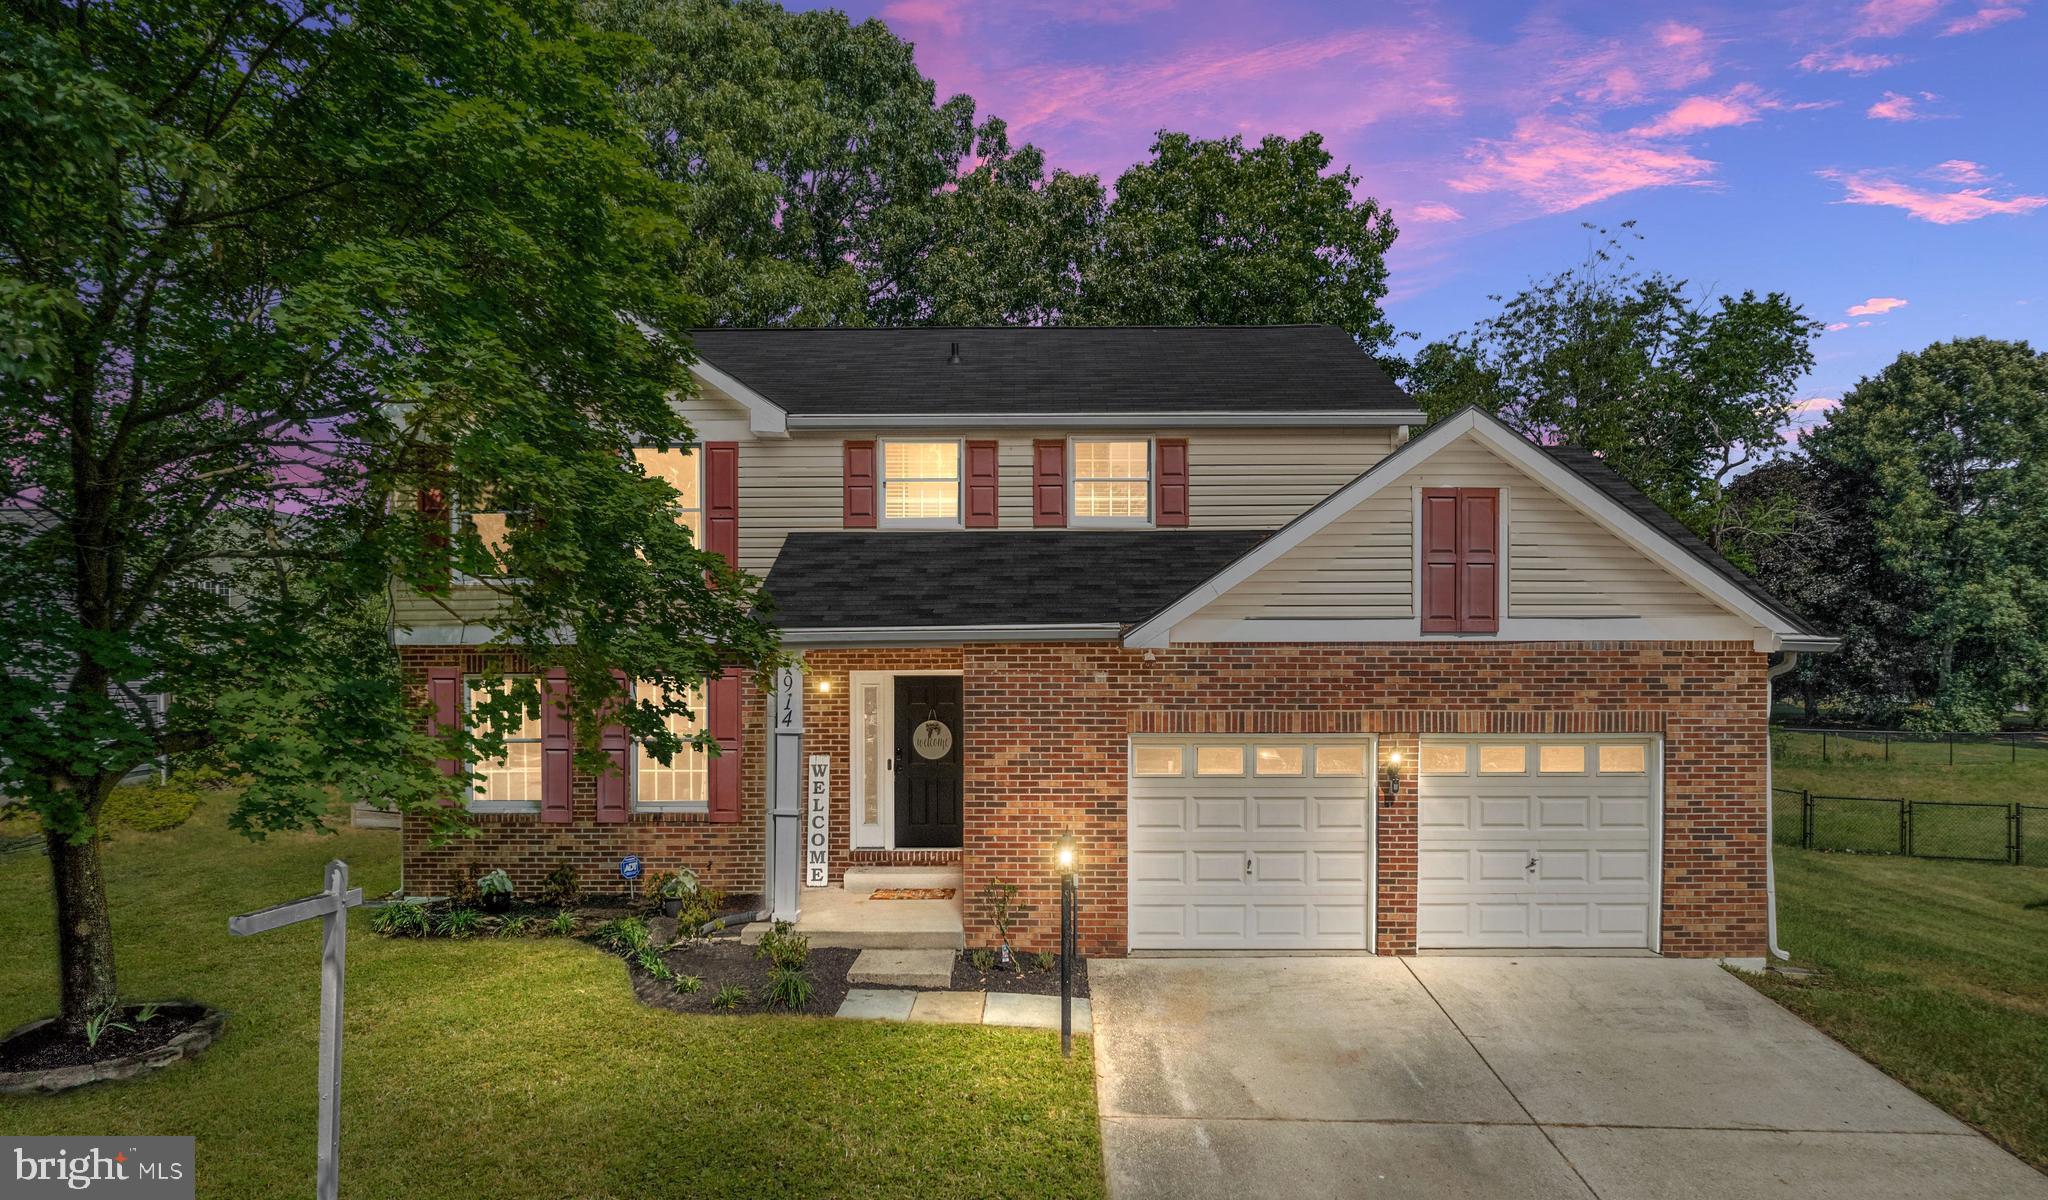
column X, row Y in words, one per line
column 903, row 968
column 962, row 1008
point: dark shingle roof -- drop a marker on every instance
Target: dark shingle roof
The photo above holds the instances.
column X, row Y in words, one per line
column 1029, row 370
column 862, row 579
column 1593, row 469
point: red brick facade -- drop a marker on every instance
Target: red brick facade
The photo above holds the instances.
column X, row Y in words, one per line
column 1047, row 730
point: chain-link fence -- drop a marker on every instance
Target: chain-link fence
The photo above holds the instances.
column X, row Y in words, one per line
column 1909, row 748
column 1975, row 831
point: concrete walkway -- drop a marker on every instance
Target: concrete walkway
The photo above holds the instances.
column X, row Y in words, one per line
column 1610, row 1078
column 961, row 1008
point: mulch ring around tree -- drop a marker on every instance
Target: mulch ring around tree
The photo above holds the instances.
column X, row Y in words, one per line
column 1027, row 977
column 41, row 1057
column 722, row 963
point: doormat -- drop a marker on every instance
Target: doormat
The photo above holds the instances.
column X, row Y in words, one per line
column 912, row 894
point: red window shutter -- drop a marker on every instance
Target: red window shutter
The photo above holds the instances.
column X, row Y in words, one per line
column 1440, row 560
column 433, row 507
column 981, row 485
column 1479, row 560
column 1049, row 483
column 722, row 499
column 1170, row 482
column 859, row 510
column 612, row 806
column 444, row 695
column 723, row 710
column 556, row 752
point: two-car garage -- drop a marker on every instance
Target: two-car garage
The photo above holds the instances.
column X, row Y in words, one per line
column 1267, row 843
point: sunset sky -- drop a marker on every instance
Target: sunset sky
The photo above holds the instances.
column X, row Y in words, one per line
column 1884, row 162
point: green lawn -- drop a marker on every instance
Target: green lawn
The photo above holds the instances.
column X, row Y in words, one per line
column 510, row 1069
column 1935, row 971
column 1917, row 772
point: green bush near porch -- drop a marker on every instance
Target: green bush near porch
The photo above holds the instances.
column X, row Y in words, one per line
column 515, row 1068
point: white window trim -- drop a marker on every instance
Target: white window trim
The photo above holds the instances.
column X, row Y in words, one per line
column 882, row 518
column 633, row 801
column 1502, row 527
column 470, row 802
column 856, row 783
column 1151, row 482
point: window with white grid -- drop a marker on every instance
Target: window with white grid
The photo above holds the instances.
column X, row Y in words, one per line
column 921, row 482
column 682, row 470
column 686, row 779
column 513, row 778
column 1112, row 481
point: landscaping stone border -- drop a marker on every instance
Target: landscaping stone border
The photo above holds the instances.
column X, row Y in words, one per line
column 188, row 1043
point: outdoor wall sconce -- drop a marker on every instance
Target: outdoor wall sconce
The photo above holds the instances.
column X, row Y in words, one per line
column 1392, row 775
column 1066, row 859
column 824, row 685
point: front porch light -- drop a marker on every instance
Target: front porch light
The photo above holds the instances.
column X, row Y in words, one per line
column 1393, row 776
column 824, row 685
column 1066, row 854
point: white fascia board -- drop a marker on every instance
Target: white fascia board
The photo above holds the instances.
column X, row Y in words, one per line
column 442, row 635
column 931, row 635
column 1101, row 420
column 765, row 417
column 1511, row 446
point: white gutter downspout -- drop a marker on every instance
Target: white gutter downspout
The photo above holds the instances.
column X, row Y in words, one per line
column 1770, row 821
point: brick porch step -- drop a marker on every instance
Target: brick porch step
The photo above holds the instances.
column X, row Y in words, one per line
column 903, row 968
column 862, row 881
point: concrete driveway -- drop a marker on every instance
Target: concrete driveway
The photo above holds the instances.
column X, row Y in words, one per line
column 1528, row 1077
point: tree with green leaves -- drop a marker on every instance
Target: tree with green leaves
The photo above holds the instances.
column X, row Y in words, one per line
column 1940, row 464
column 1213, row 232
column 1678, row 392
column 269, row 272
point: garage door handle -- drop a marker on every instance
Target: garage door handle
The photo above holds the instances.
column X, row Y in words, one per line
column 1247, row 864
column 1532, row 863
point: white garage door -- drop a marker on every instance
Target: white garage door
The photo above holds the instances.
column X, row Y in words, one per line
column 1537, row 842
column 1250, row 843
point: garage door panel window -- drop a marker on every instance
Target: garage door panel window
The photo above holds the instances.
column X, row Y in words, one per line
column 1443, row 760
column 1279, row 760
column 1561, row 758
column 1156, row 761
column 1219, row 760
column 1503, row 760
column 1625, row 759
column 1340, row 760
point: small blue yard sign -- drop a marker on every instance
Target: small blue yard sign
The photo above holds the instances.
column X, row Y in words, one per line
column 629, row 867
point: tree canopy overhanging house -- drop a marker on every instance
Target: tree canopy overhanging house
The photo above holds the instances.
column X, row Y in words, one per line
column 281, row 289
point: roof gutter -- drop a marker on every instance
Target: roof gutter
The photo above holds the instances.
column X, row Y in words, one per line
column 940, row 635
column 1101, row 420
column 1790, row 661
column 1809, row 644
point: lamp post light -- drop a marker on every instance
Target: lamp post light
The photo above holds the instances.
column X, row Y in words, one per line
column 1067, row 860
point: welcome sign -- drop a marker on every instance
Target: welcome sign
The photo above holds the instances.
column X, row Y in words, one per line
column 817, row 821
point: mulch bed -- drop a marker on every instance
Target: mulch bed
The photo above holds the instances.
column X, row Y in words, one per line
column 912, row 894
column 1027, row 978
column 44, row 1046
column 722, row 962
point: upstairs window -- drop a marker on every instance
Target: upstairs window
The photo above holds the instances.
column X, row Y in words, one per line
column 1112, row 482
column 921, row 483
column 682, row 470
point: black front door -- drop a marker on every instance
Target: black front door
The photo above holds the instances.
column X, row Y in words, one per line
column 927, row 761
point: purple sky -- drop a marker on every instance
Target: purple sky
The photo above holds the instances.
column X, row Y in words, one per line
column 1884, row 162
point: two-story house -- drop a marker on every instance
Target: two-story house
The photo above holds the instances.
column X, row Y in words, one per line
column 1293, row 678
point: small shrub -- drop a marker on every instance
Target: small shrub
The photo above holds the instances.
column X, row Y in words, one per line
column 627, row 935
column 788, row 987
column 101, row 1023
column 650, row 962
column 983, row 960
column 689, row 983
column 494, row 883
column 1001, row 899
column 676, row 885
column 466, row 894
column 146, row 1013
column 458, row 923
column 562, row 924
column 1045, row 961
column 152, row 807
column 784, row 947
column 559, row 889
column 518, row 926
column 399, row 920
column 731, row 995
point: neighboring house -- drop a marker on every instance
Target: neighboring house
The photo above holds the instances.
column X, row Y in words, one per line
column 1294, row 680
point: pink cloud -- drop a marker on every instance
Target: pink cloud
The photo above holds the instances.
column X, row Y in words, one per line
column 1622, row 71
column 1739, row 105
column 1847, row 60
column 1431, row 212
column 1940, row 208
column 1561, row 165
column 1890, row 18
column 1899, row 107
column 1876, row 306
column 1996, row 13
column 1960, row 170
column 941, row 15
column 1838, row 326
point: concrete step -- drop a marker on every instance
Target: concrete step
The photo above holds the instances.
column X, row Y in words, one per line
column 868, row 937
column 903, row 968
column 865, row 880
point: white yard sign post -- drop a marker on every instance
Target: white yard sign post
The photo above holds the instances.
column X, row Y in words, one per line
column 331, row 907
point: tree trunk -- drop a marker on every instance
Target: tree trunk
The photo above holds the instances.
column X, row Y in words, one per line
column 1810, row 696
column 85, row 936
